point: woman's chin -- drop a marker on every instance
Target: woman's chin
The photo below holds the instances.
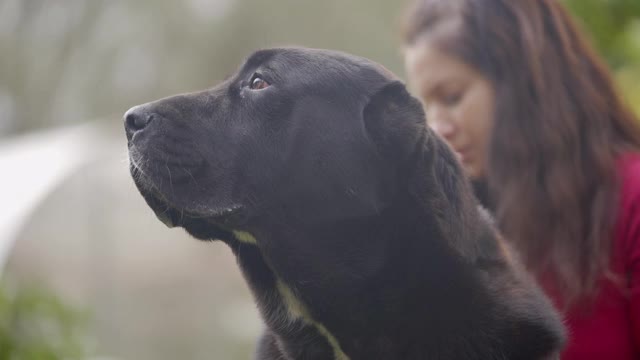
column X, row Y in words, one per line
column 473, row 172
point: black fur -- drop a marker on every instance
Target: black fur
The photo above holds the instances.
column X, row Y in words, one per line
column 368, row 241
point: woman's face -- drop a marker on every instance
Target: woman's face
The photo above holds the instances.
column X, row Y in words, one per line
column 459, row 102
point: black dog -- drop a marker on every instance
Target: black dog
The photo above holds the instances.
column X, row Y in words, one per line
column 352, row 222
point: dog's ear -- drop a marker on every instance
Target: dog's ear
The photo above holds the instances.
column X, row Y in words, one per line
column 394, row 119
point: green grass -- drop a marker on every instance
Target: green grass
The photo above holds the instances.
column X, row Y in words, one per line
column 35, row 324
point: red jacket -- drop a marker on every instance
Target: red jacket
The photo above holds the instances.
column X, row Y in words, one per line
column 611, row 329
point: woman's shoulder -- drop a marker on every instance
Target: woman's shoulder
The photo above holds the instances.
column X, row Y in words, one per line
column 629, row 172
column 627, row 229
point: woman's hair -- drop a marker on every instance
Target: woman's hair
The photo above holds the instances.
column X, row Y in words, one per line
column 559, row 128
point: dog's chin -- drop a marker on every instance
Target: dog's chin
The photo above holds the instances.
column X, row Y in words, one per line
column 204, row 223
column 212, row 225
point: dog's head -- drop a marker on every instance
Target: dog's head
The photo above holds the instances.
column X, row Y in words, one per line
column 295, row 132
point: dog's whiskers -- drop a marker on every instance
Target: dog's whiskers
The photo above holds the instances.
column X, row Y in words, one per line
column 170, row 180
column 191, row 175
column 126, row 158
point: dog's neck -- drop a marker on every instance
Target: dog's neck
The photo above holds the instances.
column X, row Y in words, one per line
column 345, row 279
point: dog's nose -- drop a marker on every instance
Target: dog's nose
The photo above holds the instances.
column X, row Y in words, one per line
column 136, row 119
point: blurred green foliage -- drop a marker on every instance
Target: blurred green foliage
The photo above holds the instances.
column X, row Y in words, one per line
column 35, row 324
column 614, row 27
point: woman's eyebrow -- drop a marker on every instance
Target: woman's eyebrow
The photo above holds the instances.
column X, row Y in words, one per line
column 434, row 88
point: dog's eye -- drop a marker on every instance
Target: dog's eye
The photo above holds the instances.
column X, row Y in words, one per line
column 258, row 83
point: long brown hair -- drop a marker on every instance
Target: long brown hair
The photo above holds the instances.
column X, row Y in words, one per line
column 560, row 125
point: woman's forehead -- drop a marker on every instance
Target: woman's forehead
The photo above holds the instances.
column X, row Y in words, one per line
column 428, row 66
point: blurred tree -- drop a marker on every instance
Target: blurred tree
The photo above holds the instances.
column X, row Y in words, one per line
column 614, row 26
column 76, row 60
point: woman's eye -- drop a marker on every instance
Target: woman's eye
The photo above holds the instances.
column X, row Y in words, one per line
column 258, row 83
column 451, row 99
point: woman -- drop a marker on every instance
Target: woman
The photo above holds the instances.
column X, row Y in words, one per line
column 534, row 117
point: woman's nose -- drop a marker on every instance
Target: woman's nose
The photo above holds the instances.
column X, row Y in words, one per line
column 443, row 128
column 441, row 124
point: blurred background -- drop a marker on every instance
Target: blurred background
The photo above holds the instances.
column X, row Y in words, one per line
column 86, row 270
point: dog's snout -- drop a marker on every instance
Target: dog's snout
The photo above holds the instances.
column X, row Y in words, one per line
column 136, row 119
